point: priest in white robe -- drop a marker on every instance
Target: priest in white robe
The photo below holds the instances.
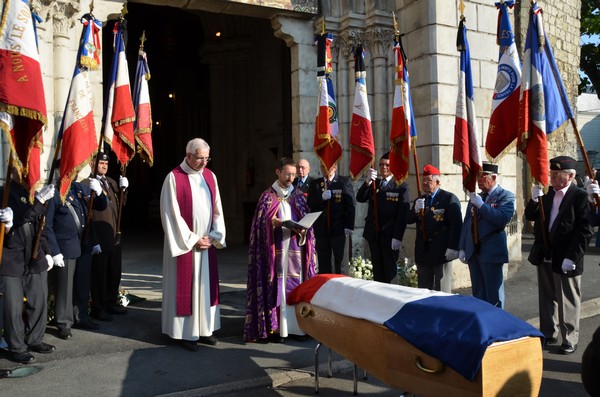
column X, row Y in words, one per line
column 192, row 219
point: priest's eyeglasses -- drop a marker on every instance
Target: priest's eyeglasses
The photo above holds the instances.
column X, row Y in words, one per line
column 198, row 158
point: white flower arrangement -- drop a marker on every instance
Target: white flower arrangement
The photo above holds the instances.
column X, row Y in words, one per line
column 407, row 272
column 361, row 268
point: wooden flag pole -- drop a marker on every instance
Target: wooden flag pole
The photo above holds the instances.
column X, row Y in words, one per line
column 422, row 211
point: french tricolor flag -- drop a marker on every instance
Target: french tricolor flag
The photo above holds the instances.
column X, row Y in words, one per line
column 22, row 99
column 544, row 106
column 466, row 145
column 77, row 133
column 362, row 146
column 456, row 329
column 143, row 110
column 503, row 128
column 119, row 114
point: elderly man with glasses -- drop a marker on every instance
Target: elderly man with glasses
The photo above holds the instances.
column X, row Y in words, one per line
column 561, row 238
column 194, row 226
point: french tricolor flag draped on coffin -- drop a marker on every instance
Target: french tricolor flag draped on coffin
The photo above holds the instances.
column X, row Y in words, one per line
column 455, row 329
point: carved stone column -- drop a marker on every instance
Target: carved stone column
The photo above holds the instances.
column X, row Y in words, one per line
column 379, row 42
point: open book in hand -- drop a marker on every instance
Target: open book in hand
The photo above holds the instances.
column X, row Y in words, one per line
column 303, row 223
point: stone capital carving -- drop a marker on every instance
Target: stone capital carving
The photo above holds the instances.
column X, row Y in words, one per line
column 59, row 12
column 348, row 42
column 379, row 41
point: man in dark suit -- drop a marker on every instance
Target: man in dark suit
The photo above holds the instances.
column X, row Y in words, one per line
column 438, row 214
column 334, row 195
column 486, row 251
column 64, row 228
column 384, row 229
column 558, row 251
column 302, row 181
column 106, row 259
column 24, row 273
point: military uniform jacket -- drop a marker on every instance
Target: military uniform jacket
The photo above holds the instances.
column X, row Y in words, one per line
column 443, row 224
column 492, row 217
column 18, row 242
column 570, row 233
column 393, row 203
column 342, row 206
column 65, row 222
column 105, row 221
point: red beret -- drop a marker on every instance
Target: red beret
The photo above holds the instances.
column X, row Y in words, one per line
column 430, row 170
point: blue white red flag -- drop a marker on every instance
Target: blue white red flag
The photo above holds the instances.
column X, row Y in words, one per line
column 403, row 132
column 544, row 106
column 90, row 46
column 456, row 329
column 466, row 145
column 77, row 133
column 326, row 140
column 143, row 110
column 504, row 126
column 22, row 99
column 119, row 114
column 362, row 146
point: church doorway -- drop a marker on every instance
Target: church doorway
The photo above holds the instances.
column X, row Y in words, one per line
column 224, row 78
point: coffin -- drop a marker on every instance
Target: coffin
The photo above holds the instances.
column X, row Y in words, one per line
column 508, row 368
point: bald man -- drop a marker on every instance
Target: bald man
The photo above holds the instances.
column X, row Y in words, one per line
column 302, row 178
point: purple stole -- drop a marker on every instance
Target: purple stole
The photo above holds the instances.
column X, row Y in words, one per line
column 185, row 268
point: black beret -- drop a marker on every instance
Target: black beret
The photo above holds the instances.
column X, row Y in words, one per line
column 103, row 156
column 563, row 163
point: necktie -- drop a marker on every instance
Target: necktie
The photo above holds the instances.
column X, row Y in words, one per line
column 300, row 183
column 428, row 201
column 104, row 183
column 383, row 183
column 484, row 196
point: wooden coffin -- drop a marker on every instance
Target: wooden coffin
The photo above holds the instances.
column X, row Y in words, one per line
column 512, row 368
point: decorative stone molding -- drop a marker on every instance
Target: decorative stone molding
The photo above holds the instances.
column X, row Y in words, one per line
column 379, row 41
column 348, row 41
column 60, row 12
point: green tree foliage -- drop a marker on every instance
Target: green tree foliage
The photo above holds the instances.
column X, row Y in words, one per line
column 590, row 52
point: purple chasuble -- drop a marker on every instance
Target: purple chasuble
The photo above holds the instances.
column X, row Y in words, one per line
column 185, row 268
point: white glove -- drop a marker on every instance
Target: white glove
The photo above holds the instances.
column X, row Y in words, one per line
column 537, row 191
column 6, row 217
column 476, row 199
column 371, row 175
column 592, row 190
column 45, row 193
column 462, row 256
column 419, row 205
column 396, row 244
column 96, row 249
column 95, row 186
column 347, row 232
column 567, row 265
column 326, row 195
column 59, row 261
column 123, row 182
column 50, row 262
column 451, row 254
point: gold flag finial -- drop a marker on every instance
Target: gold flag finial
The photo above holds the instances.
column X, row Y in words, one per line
column 91, row 6
column 396, row 31
column 461, row 8
column 124, row 10
column 142, row 40
column 323, row 26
